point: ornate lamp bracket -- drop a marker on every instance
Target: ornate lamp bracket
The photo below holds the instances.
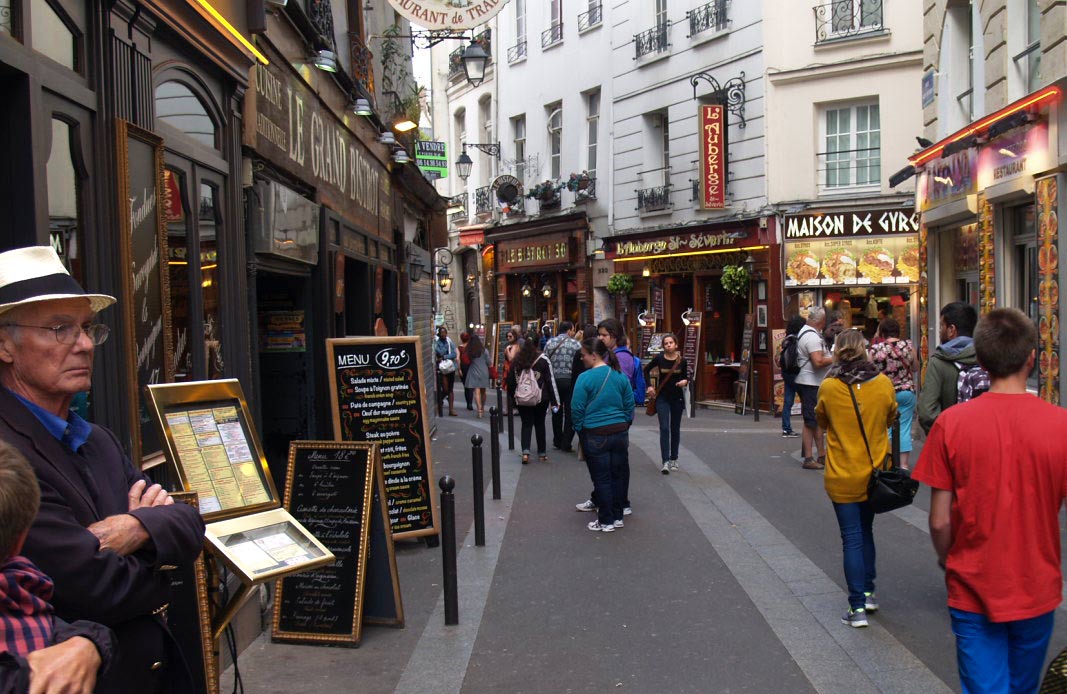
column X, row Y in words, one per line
column 731, row 94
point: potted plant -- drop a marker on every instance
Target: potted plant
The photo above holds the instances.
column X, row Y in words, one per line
column 620, row 284
column 735, row 280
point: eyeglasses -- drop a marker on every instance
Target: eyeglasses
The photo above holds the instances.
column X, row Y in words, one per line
column 68, row 334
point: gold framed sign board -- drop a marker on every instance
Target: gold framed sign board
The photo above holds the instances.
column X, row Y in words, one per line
column 266, row 545
column 376, row 397
column 189, row 616
column 332, row 488
column 146, row 283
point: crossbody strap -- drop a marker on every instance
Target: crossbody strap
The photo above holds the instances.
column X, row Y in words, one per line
column 601, row 387
column 859, row 418
column 663, row 379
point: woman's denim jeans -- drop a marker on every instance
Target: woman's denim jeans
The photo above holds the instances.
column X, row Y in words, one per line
column 608, row 459
column 856, row 521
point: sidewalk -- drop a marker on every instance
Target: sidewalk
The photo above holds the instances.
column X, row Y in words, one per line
column 726, row 578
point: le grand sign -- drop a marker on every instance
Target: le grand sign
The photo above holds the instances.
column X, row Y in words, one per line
column 287, row 124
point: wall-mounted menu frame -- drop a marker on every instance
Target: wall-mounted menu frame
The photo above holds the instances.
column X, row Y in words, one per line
column 264, row 546
column 335, row 490
column 207, row 434
column 145, row 283
column 376, row 396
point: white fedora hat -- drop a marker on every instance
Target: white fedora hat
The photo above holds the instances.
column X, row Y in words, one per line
column 35, row 273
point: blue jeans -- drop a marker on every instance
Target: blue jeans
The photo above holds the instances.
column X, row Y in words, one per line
column 669, row 412
column 789, row 395
column 906, row 410
column 856, row 521
column 1000, row 657
column 608, row 459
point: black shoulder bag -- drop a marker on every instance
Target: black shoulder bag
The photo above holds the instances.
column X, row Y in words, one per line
column 889, row 487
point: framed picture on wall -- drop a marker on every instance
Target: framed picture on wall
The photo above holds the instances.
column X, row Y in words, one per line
column 761, row 316
column 761, row 341
column 761, row 290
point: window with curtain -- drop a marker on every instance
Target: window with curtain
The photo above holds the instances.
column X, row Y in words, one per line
column 855, row 16
column 518, row 129
column 852, row 146
column 555, row 141
column 592, row 126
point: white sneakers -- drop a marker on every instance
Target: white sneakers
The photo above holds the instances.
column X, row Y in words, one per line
column 595, row 526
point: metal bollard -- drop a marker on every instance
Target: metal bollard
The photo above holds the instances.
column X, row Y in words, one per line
column 755, row 395
column 448, row 550
column 895, row 433
column 511, row 424
column 479, row 490
column 494, row 449
column 499, row 399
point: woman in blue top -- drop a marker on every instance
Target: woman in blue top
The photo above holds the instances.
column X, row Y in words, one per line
column 445, row 351
column 602, row 407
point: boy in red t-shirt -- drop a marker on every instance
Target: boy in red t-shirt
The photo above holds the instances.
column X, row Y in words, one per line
column 997, row 466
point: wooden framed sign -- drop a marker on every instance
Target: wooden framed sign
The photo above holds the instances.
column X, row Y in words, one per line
column 377, row 397
column 145, row 283
column 332, row 489
column 189, row 616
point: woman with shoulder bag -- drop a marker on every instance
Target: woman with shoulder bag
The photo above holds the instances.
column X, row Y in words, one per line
column 532, row 414
column 854, row 391
column 478, row 371
column 667, row 400
column 447, row 354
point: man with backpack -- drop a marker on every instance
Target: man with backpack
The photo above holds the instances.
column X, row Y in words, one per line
column 789, row 362
column 560, row 351
column 952, row 364
column 814, row 359
column 611, row 333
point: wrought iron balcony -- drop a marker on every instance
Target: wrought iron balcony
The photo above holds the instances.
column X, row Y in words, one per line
column 592, row 18
column 517, row 51
column 552, row 35
column 585, row 190
column 455, row 58
column 654, row 199
column 653, row 40
column 709, row 16
column 846, row 18
column 850, row 168
column 458, row 203
column 321, row 16
column 483, row 200
column 362, row 61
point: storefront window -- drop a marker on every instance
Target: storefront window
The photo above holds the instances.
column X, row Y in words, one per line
column 965, row 261
column 63, row 196
column 1024, row 280
column 177, row 208
column 51, row 35
column 209, row 224
column 179, row 107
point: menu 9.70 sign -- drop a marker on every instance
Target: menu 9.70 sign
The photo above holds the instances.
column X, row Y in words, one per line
column 377, row 397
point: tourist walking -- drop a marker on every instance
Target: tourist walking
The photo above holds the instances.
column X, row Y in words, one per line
column 561, row 351
column 533, row 387
column 954, row 354
column 464, row 362
column 446, row 355
column 815, row 361
column 671, row 374
column 896, row 359
column 790, row 366
column 603, row 409
column 856, row 406
column 479, row 371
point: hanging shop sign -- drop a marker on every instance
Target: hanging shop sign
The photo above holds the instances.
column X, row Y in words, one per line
column 448, row 14
column 712, row 157
column 287, row 124
column 948, row 178
column 849, row 224
column 855, row 261
column 432, row 158
column 692, row 242
column 550, row 250
column 1016, row 154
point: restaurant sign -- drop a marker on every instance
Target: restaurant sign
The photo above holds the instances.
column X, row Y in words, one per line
column 852, row 261
column 287, row 124
column 448, row 14
column 693, row 242
column 1018, row 153
column 550, row 250
column 848, row 224
column 949, row 178
column 712, row 157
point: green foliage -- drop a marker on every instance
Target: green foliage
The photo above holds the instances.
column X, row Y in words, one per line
column 735, row 280
column 620, row 283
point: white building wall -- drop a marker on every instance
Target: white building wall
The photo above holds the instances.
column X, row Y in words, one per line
column 662, row 81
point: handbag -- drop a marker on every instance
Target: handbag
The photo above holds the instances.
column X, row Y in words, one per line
column 889, row 486
column 446, row 366
column 650, row 405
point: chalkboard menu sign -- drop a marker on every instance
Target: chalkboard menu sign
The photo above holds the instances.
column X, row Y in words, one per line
column 741, row 392
column 646, row 340
column 330, row 491
column 139, row 156
column 691, row 340
column 657, row 302
column 376, row 397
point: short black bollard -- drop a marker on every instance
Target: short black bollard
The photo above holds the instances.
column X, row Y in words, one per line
column 511, row 424
column 494, row 449
column 479, row 490
column 895, row 432
column 448, row 550
column 755, row 395
column 499, row 399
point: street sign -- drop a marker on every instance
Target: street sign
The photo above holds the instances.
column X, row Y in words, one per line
column 432, row 158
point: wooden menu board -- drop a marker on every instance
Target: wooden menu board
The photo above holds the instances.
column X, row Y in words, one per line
column 645, row 333
column 691, row 340
column 330, row 489
column 145, row 286
column 376, row 397
column 741, row 392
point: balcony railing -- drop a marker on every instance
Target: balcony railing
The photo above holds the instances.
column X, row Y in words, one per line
column 552, row 35
column 709, row 16
column 517, row 208
column 517, row 51
column 586, row 190
column 321, row 17
column 652, row 41
column 846, row 18
column 362, row 61
column 459, row 215
column 850, row 168
column 483, row 200
column 592, row 18
column 455, row 58
column 654, row 199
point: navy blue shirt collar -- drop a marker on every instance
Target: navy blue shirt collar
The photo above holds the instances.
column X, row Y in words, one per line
column 72, row 432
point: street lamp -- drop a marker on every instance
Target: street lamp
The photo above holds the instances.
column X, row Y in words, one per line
column 546, row 288
column 464, row 164
column 444, row 280
column 527, row 290
column 475, row 60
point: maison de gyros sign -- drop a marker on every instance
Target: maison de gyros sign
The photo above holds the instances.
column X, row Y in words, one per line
column 448, row 14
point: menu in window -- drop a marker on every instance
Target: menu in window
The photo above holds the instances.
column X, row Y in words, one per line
column 213, row 449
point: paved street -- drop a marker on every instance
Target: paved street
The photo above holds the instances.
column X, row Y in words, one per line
column 727, row 578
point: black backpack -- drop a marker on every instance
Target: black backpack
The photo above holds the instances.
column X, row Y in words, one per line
column 789, row 360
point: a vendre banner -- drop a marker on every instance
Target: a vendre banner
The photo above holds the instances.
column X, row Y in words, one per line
column 448, row 14
column 712, row 157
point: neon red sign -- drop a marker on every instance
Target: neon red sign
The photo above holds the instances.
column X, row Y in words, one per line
column 712, row 157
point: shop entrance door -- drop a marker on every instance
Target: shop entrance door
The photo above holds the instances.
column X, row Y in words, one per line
column 679, row 298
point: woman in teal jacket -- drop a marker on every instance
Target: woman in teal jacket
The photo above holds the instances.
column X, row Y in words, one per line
column 602, row 408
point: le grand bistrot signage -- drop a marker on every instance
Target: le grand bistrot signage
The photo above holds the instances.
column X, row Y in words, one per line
column 288, row 125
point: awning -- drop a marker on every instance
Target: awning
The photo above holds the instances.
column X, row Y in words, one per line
column 473, row 235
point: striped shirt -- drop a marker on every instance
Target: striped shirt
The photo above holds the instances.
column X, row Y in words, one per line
column 26, row 619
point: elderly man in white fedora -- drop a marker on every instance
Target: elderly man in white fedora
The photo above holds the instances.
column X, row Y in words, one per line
column 104, row 532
